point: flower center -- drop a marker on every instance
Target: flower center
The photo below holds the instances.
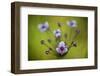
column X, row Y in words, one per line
column 43, row 27
column 61, row 48
column 71, row 23
column 57, row 32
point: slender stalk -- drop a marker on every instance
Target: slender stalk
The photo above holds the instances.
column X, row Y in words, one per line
column 69, row 36
column 65, row 37
column 76, row 34
column 50, row 37
column 44, row 43
column 49, row 47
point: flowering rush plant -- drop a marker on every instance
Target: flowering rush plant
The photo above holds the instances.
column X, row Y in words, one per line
column 62, row 46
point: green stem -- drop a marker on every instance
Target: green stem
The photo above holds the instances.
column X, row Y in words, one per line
column 50, row 37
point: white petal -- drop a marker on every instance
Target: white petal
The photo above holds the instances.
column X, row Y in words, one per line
column 58, row 30
column 61, row 44
column 46, row 24
column 54, row 32
column 65, row 50
column 74, row 21
column 68, row 23
column 57, row 49
column 62, row 52
column 42, row 30
column 58, row 34
column 39, row 26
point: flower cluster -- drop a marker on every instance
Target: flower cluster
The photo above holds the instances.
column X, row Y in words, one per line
column 61, row 47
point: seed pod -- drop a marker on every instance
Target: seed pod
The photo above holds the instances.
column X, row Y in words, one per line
column 74, row 43
column 59, row 24
column 47, row 52
column 49, row 40
column 65, row 35
column 77, row 31
column 50, row 48
column 42, row 42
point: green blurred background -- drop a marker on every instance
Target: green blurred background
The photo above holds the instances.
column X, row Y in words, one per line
column 36, row 51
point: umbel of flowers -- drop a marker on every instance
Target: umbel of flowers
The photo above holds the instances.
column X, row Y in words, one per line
column 61, row 47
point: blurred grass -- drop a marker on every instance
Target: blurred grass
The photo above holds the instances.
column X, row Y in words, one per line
column 36, row 51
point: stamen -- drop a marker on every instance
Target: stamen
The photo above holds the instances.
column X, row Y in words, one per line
column 49, row 40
